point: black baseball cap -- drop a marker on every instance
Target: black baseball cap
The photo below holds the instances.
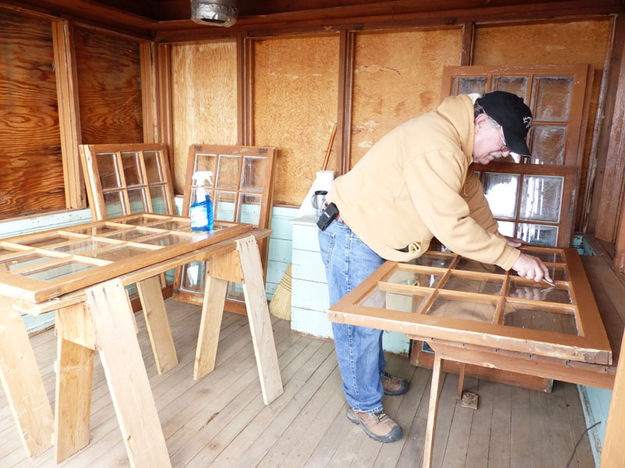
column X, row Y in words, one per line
column 509, row 111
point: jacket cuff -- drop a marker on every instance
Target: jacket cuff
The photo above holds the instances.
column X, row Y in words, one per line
column 508, row 257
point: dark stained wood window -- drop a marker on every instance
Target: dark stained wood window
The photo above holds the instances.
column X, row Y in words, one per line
column 535, row 200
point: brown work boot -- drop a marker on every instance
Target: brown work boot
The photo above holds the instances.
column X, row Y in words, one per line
column 378, row 425
column 394, row 385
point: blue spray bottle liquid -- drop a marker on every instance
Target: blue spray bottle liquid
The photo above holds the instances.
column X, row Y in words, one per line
column 201, row 211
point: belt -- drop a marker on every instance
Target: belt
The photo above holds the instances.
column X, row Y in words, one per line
column 412, row 247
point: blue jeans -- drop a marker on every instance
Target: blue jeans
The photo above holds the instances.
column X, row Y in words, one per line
column 348, row 261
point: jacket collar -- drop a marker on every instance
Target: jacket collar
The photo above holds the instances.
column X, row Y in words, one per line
column 458, row 110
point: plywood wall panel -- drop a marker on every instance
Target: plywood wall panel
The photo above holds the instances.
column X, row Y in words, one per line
column 109, row 87
column 295, row 107
column 557, row 43
column 204, row 96
column 29, row 128
column 544, row 43
column 397, row 76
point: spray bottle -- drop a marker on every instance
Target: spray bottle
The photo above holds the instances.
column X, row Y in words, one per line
column 201, row 211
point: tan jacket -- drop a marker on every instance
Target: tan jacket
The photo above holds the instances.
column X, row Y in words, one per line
column 416, row 183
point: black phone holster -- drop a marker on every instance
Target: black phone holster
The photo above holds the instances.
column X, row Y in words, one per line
column 327, row 216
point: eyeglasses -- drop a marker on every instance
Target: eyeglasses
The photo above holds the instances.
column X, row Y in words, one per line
column 504, row 147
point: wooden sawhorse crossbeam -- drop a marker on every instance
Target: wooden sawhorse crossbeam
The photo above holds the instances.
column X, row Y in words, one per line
column 574, row 372
column 100, row 319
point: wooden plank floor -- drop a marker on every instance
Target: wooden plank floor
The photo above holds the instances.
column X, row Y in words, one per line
column 221, row 420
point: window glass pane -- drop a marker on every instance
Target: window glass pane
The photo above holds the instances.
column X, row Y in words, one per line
column 513, row 84
column 132, row 168
column 23, row 261
column 538, row 234
column 157, row 196
column 138, row 203
column 414, row 278
column 55, row 272
column 107, row 168
column 119, row 253
column 525, row 316
column 469, row 84
column 81, row 246
column 114, row 203
column 448, row 307
column 235, row 292
column 394, row 301
column 541, row 292
column 43, row 240
column 141, row 220
column 552, row 98
column 131, row 234
column 458, row 283
column 472, row 265
column 206, row 162
column 192, row 276
column 224, row 204
column 432, row 260
column 541, row 198
column 249, row 208
column 174, row 225
column 506, row 228
column 228, row 172
column 153, row 167
column 501, row 192
column 253, row 175
column 94, row 230
column 558, row 273
column 547, row 144
column 168, row 239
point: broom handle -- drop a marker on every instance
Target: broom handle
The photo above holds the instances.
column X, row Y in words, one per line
column 326, row 159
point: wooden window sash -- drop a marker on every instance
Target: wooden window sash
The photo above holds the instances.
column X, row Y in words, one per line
column 573, row 150
column 95, row 192
column 569, row 194
column 589, row 345
column 194, row 295
column 16, row 283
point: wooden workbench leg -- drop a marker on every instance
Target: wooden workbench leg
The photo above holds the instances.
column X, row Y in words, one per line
column 260, row 321
column 428, row 449
column 461, row 380
column 157, row 324
column 126, row 376
column 22, row 382
column 210, row 325
column 74, row 379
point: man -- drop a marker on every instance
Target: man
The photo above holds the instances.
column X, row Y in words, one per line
column 416, row 183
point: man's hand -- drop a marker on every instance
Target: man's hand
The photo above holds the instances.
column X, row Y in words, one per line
column 531, row 267
column 513, row 241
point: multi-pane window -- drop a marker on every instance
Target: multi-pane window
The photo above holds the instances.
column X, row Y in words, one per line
column 534, row 200
column 241, row 192
column 127, row 179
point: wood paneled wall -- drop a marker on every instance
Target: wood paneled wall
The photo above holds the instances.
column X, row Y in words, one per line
column 30, row 144
column 295, row 106
column 292, row 85
column 204, row 99
column 393, row 84
column 295, row 86
column 109, row 87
